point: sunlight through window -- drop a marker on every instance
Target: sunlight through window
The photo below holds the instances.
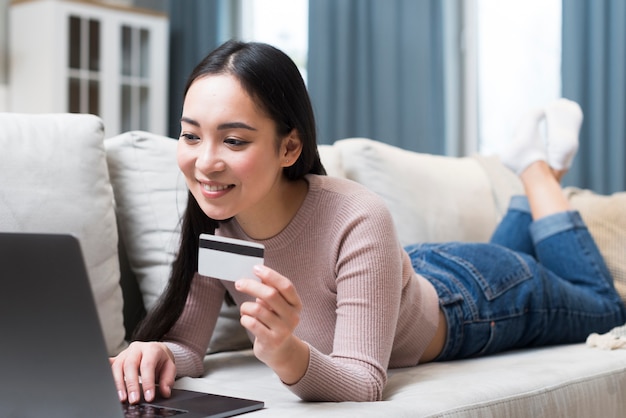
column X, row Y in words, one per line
column 281, row 23
column 519, row 64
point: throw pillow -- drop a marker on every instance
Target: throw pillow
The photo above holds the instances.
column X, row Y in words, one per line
column 432, row 198
column 331, row 159
column 150, row 198
column 55, row 180
column 605, row 216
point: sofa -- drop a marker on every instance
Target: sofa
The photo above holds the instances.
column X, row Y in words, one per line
column 123, row 197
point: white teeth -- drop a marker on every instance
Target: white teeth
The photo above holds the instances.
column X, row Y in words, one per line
column 211, row 188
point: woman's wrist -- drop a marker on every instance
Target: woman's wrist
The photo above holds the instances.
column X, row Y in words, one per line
column 292, row 366
column 167, row 351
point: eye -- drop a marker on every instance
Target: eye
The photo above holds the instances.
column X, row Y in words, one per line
column 235, row 142
column 189, row 137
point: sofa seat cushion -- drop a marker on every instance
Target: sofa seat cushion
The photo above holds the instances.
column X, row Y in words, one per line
column 55, row 180
column 561, row 381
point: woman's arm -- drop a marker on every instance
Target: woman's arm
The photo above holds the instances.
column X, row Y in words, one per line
column 189, row 338
column 369, row 284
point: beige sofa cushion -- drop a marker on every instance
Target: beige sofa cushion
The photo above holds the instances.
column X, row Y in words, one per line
column 605, row 216
column 55, row 180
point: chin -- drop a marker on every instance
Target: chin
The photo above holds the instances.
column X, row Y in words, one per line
column 217, row 215
column 214, row 212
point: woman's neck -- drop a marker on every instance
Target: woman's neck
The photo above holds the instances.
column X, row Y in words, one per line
column 265, row 223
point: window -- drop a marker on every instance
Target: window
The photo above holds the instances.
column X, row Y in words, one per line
column 84, row 65
column 135, row 86
column 518, row 59
column 281, row 23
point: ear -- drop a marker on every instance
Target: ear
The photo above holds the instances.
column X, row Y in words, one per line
column 291, row 148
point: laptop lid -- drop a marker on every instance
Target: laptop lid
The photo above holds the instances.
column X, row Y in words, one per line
column 53, row 359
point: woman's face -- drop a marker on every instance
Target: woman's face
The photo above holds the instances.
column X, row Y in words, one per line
column 228, row 151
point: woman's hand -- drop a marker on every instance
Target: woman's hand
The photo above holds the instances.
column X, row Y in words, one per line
column 139, row 367
column 272, row 318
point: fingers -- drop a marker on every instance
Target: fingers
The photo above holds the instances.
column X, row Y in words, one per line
column 274, row 288
column 138, row 368
column 118, row 377
column 125, row 374
column 277, row 306
column 166, row 381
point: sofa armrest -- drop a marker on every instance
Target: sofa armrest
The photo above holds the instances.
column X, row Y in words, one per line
column 55, row 180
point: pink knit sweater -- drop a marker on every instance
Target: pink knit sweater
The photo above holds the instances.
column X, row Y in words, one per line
column 364, row 308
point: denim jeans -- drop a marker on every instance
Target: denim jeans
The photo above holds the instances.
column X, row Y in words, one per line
column 535, row 283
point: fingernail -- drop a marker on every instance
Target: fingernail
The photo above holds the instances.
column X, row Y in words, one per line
column 120, row 394
column 133, row 397
column 259, row 268
column 148, row 395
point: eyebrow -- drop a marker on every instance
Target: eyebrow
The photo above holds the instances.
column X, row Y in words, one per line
column 228, row 125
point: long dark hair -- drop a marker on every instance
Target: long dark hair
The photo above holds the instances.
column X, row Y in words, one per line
column 273, row 80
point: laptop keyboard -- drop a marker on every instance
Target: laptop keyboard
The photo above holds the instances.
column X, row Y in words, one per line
column 147, row 411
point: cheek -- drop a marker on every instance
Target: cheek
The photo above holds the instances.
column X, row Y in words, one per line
column 246, row 168
column 258, row 164
column 245, row 165
column 184, row 158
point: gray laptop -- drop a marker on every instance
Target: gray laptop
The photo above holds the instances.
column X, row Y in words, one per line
column 53, row 360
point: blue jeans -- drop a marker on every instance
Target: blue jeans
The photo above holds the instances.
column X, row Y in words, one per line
column 536, row 283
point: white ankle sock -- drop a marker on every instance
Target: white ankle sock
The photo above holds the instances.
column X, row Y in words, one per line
column 563, row 120
column 527, row 145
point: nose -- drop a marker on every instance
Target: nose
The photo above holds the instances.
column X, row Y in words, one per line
column 209, row 159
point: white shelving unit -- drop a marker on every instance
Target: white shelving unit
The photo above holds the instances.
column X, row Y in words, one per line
column 84, row 57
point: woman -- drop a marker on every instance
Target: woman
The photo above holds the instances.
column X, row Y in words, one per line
column 338, row 301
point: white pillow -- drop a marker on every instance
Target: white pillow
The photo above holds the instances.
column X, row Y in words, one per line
column 151, row 197
column 331, row 160
column 55, row 180
column 431, row 198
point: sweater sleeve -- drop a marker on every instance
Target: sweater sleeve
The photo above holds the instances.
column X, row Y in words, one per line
column 189, row 338
column 369, row 281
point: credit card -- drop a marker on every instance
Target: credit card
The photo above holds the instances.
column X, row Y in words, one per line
column 228, row 258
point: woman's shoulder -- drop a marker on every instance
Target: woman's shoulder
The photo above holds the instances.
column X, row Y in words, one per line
column 337, row 185
column 345, row 194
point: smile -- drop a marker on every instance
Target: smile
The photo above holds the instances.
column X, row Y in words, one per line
column 215, row 188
